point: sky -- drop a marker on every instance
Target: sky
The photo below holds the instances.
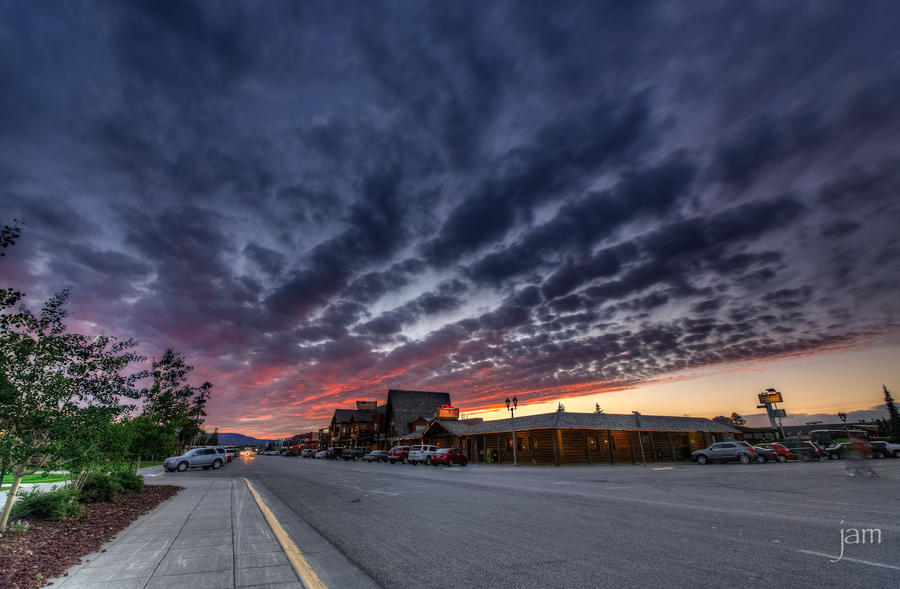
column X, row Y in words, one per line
column 666, row 207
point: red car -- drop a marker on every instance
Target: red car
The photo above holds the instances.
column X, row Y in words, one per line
column 398, row 454
column 448, row 456
column 782, row 453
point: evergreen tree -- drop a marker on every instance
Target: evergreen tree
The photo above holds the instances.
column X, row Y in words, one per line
column 893, row 416
column 213, row 438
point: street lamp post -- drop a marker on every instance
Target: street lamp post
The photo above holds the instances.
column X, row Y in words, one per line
column 843, row 417
column 512, row 420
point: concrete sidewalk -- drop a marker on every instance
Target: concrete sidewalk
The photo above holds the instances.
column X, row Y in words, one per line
column 211, row 535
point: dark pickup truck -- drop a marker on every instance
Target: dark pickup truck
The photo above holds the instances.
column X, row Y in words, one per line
column 354, row 453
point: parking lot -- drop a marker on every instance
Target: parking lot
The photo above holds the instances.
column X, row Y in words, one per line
column 682, row 525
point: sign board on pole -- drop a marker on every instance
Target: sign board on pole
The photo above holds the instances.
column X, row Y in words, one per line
column 448, row 412
column 770, row 398
column 369, row 405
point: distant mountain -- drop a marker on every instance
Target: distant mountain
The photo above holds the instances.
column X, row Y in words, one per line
column 231, row 439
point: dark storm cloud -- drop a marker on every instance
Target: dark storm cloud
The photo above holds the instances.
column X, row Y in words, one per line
column 316, row 202
column 559, row 154
column 583, row 222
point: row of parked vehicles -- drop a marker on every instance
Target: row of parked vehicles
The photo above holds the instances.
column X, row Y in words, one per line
column 418, row 454
column 802, row 450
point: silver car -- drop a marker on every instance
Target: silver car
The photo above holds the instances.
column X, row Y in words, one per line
column 724, row 452
column 421, row 454
column 204, row 458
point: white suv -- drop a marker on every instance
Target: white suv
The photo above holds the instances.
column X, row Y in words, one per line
column 421, row 454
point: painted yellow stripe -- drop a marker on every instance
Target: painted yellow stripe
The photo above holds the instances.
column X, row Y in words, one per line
column 308, row 576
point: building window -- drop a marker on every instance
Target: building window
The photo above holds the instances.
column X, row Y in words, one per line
column 592, row 442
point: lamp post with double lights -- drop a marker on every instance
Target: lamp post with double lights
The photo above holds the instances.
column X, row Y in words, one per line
column 512, row 420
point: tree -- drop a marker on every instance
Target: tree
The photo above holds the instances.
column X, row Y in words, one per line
column 173, row 403
column 597, row 409
column 560, row 408
column 893, row 416
column 724, row 420
column 738, row 420
column 8, row 235
column 213, row 438
column 53, row 380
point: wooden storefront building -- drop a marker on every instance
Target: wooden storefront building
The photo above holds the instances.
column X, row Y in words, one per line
column 578, row 438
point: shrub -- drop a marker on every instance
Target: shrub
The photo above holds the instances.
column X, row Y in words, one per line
column 100, row 487
column 54, row 505
column 130, row 482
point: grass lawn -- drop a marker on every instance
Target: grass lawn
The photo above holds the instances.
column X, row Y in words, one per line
column 34, row 478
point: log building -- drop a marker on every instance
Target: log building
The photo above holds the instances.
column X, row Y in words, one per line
column 578, row 438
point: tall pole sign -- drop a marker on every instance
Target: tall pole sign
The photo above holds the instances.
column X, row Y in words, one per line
column 769, row 399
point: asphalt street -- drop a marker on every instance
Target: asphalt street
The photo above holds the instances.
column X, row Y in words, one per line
column 771, row 525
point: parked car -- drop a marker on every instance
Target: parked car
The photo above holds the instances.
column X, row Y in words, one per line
column 398, row 454
column 376, row 456
column 287, row 453
column 205, row 458
column 421, row 454
column 764, row 455
column 840, row 450
column 725, row 452
column 320, row 454
column 803, row 450
column 885, row 449
column 782, row 454
column 448, row 456
column 307, row 453
column 334, row 452
column 353, row 453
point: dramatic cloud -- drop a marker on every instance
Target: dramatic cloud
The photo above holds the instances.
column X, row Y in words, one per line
column 316, row 202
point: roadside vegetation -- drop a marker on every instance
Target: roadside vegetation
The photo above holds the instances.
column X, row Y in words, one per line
column 74, row 402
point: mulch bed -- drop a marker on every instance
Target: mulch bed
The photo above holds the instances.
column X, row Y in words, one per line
column 28, row 559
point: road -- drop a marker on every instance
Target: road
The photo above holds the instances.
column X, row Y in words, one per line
column 595, row 526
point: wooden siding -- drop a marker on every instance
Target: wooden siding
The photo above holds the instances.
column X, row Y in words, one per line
column 543, row 450
column 564, row 446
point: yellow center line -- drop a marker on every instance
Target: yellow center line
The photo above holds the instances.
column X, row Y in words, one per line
column 308, row 576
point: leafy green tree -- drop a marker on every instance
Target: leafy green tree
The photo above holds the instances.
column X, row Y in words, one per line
column 738, row 420
column 144, row 437
column 724, row 420
column 173, row 403
column 52, row 376
column 893, row 425
column 8, row 235
column 90, row 439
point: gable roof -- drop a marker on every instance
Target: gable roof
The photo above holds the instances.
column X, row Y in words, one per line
column 342, row 415
column 565, row 420
column 363, row 415
column 407, row 406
